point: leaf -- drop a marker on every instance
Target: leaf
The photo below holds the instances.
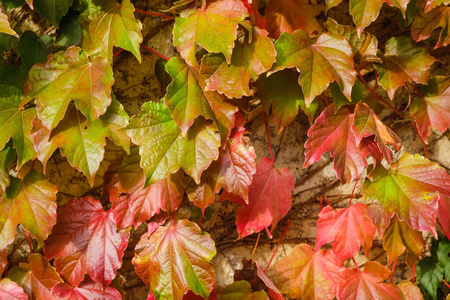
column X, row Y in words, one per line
column 249, row 60
column 348, row 228
column 332, row 131
column 241, row 290
column 3, row 261
column 432, row 111
column 67, row 76
column 7, row 156
column 398, row 238
column 435, row 3
column 30, row 202
column 175, row 259
column 367, row 123
column 85, row 241
column 380, row 217
column 403, row 61
column 187, row 99
column 69, row 33
column 204, row 193
column 443, row 214
column 320, row 61
column 306, row 274
column 87, row 290
column 424, row 24
column 16, row 124
column 11, row 290
column 4, row 25
column 367, row 284
column 105, row 24
column 12, row 75
column 164, row 150
column 410, row 291
column 430, row 273
column 213, row 29
column 443, row 255
column 408, row 189
column 52, row 10
column 269, row 199
column 37, row 277
column 34, row 50
column 290, row 15
column 282, row 92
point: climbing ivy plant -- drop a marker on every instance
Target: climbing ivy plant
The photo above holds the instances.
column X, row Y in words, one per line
column 193, row 145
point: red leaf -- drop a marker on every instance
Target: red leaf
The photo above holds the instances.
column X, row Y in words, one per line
column 11, row 290
column 175, row 259
column 306, row 274
column 348, row 228
column 367, row 284
column 87, row 290
column 443, row 215
column 332, row 131
column 269, row 199
column 290, row 15
column 85, row 240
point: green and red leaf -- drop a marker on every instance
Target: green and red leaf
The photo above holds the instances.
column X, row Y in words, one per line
column 423, row 25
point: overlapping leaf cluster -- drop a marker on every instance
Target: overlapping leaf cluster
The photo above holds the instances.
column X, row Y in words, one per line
column 193, row 143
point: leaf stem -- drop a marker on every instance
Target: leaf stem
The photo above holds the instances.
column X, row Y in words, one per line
column 400, row 114
column 393, row 270
column 325, row 99
column 276, row 248
column 414, row 274
column 268, row 138
column 256, row 245
column 417, row 91
column 203, row 5
column 353, row 192
column 421, row 139
column 328, row 201
column 446, row 283
column 200, row 221
column 154, row 52
column 29, row 242
column 356, row 265
column 117, row 52
column 268, row 232
column 153, row 14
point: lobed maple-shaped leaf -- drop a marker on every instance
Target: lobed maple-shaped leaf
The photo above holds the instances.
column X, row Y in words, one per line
column 348, row 228
column 367, row 123
column 290, row 15
column 367, row 284
column 408, row 189
column 282, row 92
column 241, row 290
column 430, row 273
column 105, row 24
column 320, row 60
column 83, row 147
column 4, row 25
column 333, row 131
column 213, row 28
column 305, row 274
column 380, row 217
column 269, row 199
column 188, row 99
column 175, row 259
column 66, row 76
column 435, row 3
column 204, row 193
column 443, row 255
column 85, row 241
column 398, row 238
column 443, row 214
column 248, row 61
column 410, row 291
column 11, row 290
column 87, row 290
column 30, row 202
column 403, row 61
column 16, row 124
column 37, row 277
column 163, row 148
column 423, row 25
column 433, row 110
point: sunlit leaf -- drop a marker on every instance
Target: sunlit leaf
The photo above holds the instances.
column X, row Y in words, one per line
column 410, row 291
column 11, row 290
column 241, row 290
column 4, row 25
column 175, row 259
column 85, row 241
column 87, row 290
column 443, row 215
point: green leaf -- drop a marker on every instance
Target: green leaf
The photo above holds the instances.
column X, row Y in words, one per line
column 282, row 92
column 12, row 75
column 241, row 290
column 187, row 99
column 7, row 155
column 16, row 124
column 443, row 255
column 403, row 61
column 213, row 29
column 163, row 148
column 320, row 61
column 408, row 189
column 107, row 23
column 30, row 202
column 67, row 76
column 4, row 25
column 52, row 10
column 69, row 33
column 430, row 273
column 34, row 50
column 175, row 259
